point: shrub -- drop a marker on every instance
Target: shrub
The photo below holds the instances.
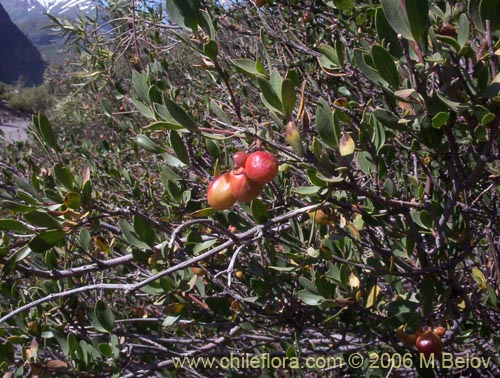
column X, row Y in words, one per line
column 29, row 99
column 114, row 261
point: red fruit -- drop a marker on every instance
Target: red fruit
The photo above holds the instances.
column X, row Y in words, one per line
column 242, row 188
column 261, row 167
column 429, row 343
column 440, row 331
column 219, row 194
column 239, row 159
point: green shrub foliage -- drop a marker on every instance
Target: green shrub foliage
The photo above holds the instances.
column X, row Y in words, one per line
column 384, row 117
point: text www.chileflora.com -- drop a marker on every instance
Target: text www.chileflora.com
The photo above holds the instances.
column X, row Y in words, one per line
column 354, row 361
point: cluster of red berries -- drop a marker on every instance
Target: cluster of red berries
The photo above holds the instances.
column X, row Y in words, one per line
column 245, row 182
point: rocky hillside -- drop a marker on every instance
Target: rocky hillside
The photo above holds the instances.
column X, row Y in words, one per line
column 19, row 58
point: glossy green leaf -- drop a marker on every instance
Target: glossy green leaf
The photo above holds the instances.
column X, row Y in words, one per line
column 185, row 13
column 386, row 34
column 73, row 200
column 395, row 15
column 46, row 240
column 42, row 219
column 64, row 177
column 143, row 109
column 46, row 131
column 210, row 49
column 306, row 190
column 155, row 126
column 140, row 82
column 309, row 298
column 330, row 54
column 180, row 115
column 144, row 142
column 218, row 112
column 490, row 10
column 387, row 118
column 329, row 133
column 104, row 319
column 269, row 97
column 259, row 211
column 493, row 89
column 248, row 67
column 370, row 73
column 131, row 236
column 463, row 30
column 440, row 119
column 418, row 18
column 179, row 147
column 143, row 230
column 12, row 225
column 385, row 65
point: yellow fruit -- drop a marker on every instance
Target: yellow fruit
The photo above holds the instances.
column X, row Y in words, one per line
column 219, row 194
column 321, row 217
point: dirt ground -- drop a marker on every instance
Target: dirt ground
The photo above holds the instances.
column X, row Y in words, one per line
column 13, row 124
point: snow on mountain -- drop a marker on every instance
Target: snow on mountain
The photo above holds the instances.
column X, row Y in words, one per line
column 16, row 8
column 29, row 16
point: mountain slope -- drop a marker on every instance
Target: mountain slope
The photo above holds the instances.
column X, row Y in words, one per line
column 29, row 16
column 19, row 58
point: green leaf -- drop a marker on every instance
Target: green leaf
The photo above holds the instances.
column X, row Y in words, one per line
column 140, row 82
column 64, row 177
column 211, row 49
column 73, row 200
column 46, row 240
column 455, row 106
column 42, row 219
column 493, row 89
column 179, row 115
column 330, row 54
column 418, row 18
column 463, row 30
column 143, row 230
column 45, row 130
column 309, row 298
column 131, row 236
column 269, row 97
column 144, row 142
column 489, row 10
column 104, row 319
column 306, row 190
column 288, row 97
column 207, row 24
column 259, row 211
column 395, row 15
column 248, row 67
column 178, row 146
column 218, row 112
column 185, row 13
column 12, row 225
column 386, row 34
column 19, row 255
column 329, row 133
column 370, row 73
column 143, row 109
column 385, row 65
column 160, row 125
column 387, row 118
column 440, row 119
